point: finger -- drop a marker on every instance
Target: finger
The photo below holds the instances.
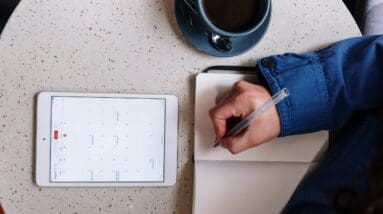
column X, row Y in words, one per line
column 227, row 97
column 219, row 127
column 236, row 144
column 220, row 114
column 242, row 86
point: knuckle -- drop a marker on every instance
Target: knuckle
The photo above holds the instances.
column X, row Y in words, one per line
column 239, row 84
column 238, row 99
column 252, row 99
column 247, row 95
column 212, row 113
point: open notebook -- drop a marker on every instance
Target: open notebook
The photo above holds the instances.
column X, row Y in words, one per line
column 259, row 180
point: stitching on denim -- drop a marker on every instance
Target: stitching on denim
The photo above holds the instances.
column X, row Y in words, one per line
column 285, row 112
column 322, row 84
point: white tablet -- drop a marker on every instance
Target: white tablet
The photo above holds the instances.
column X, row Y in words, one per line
column 89, row 139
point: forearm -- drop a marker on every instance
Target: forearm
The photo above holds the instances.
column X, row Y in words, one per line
column 327, row 86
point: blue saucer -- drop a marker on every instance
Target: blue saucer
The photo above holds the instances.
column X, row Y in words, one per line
column 196, row 35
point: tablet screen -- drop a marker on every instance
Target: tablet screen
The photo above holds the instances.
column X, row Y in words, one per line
column 107, row 139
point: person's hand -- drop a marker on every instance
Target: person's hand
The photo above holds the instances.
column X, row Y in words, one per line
column 243, row 100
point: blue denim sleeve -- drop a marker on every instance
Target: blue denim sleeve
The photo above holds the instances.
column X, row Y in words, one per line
column 326, row 86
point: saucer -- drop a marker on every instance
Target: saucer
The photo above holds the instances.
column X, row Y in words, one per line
column 196, row 35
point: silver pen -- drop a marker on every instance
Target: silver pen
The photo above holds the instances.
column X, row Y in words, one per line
column 276, row 98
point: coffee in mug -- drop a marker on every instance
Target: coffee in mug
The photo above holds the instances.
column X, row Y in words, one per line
column 232, row 15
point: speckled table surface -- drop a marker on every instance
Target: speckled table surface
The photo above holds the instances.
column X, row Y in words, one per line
column 129, row 47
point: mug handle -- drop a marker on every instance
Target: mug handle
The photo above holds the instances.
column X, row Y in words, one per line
column 221, row 43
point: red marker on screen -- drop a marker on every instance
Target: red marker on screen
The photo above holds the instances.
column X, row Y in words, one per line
column 56, row 135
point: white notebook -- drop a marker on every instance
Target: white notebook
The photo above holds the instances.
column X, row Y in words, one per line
column 259, row 180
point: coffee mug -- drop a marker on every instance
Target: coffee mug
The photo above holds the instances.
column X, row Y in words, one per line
column 223, row 20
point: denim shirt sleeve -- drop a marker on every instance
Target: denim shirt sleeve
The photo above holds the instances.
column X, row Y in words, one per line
column 326, row 86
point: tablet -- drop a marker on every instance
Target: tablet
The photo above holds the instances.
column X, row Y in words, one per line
column 91, row 139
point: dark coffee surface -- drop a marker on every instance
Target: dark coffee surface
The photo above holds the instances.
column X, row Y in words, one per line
column 232, row 15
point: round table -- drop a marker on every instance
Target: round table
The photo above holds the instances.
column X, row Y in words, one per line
column 130, row 46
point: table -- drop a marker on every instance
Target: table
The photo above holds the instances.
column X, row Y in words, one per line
column 128, row 47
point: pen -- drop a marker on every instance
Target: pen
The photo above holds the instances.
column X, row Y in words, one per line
column 276, row 98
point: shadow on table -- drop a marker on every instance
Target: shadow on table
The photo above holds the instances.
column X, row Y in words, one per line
column 169, row 8
column 34, row 143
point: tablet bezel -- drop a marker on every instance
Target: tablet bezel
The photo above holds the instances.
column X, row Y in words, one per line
column 43, row 123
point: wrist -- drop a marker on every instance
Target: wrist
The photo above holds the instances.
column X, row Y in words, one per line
column 305, row 110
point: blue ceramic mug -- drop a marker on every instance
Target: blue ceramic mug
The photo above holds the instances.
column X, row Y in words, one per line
column 214, row 17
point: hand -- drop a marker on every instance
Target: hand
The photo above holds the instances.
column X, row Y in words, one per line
column 243, row 100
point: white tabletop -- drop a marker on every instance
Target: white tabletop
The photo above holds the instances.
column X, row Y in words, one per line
column 129, row 47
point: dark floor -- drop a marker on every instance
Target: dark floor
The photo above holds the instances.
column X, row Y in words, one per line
column 6, row 9
column 351, row 5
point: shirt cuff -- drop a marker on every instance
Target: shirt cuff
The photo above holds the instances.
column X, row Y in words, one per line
column 306, row 109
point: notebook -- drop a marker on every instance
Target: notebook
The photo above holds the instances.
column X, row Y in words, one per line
column 259, row 180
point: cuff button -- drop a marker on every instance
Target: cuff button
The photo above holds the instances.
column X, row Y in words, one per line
column 269, row 62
